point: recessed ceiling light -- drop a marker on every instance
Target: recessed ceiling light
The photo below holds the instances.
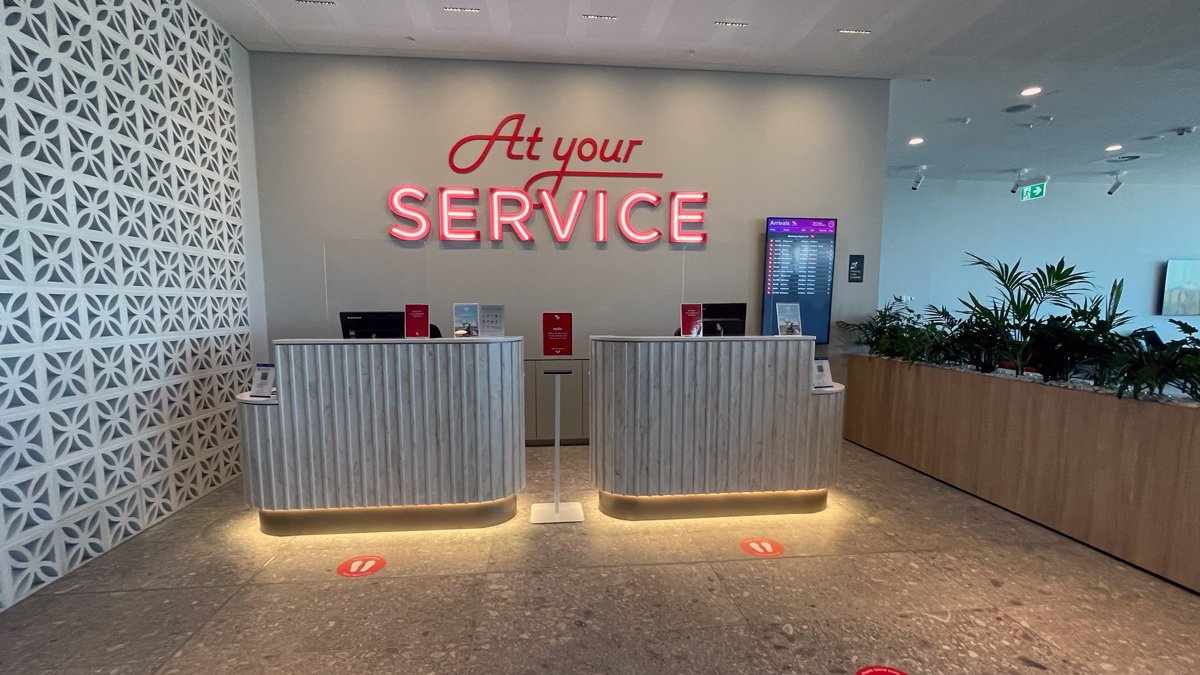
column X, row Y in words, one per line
column 599, row 17
column 1114, row 147
column 853, row 31
column 1031, row 91
column 916, row 140
column 731, row 24
column 466, row 10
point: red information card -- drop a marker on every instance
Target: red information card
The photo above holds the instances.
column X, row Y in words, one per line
column 691, row 319
column 556, row 334
column 416, row 321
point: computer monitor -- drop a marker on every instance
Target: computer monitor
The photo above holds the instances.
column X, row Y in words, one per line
column 372, row 325
column 724, row 318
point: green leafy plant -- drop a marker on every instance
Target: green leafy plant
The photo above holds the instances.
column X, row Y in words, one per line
column 1188, row 379
column 1081, row 342
column 1013, row 325
column 1098, row 319
column 894, row 330
column 1019, row 300
column 1145, row 368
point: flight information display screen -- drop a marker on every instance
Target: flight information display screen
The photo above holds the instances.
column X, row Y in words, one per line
column 798, row 268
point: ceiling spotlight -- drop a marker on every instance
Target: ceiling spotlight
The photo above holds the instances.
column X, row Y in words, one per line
column 1117, row 183
column 1114, row 147
column 916, row 140
column 919, row 178
column 1020, row 179
column 854, row 31
column 464, row 10
column 731, row 24
column 599, row 17
column 1031, row 91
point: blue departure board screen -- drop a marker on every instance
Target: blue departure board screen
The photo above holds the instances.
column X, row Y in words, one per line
column 798, row 268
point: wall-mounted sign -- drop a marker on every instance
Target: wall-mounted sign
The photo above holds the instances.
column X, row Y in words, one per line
column 511, row 208
column 857, row 269
column 556, row 334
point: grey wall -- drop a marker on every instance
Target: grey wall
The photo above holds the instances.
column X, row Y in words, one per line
column 1128, row 235
column 335, row 134
column 124, row 329
column 252, row 227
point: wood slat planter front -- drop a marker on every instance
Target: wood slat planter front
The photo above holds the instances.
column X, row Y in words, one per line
column 1119, row 474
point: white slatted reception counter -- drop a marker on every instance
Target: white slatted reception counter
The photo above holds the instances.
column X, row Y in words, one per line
column 690, row 427
column 369, row 435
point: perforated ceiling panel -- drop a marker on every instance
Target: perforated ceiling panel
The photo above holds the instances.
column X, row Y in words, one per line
column 123, row 309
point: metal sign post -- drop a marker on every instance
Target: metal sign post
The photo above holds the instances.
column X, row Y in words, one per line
column 558, row 512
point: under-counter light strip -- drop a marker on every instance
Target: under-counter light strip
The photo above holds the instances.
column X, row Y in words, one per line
column 316, row 2
column 854, row 31
column 599, row 17
column 465, row 10
column 732, row 24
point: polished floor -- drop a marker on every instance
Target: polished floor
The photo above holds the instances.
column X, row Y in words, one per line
column 900, row 571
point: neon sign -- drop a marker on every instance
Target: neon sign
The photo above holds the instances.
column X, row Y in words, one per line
column 509, row 209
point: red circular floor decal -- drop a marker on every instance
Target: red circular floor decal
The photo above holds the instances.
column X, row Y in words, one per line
column 763, row 548
column 361, row 566
column 879, row 670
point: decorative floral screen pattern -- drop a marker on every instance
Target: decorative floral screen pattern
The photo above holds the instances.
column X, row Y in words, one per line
column 123, row 307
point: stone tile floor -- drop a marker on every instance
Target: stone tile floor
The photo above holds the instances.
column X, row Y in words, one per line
column 900, row 570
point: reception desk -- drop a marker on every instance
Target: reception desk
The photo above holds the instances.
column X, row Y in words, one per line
column 689, row 427
column 368, row 435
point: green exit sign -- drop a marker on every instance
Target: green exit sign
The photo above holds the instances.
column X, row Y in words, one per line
column 1035, row 191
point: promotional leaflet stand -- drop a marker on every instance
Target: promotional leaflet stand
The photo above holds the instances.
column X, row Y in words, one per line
column 570, row 512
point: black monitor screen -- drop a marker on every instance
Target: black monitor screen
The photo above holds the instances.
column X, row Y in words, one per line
column 724, row 318
column 798, row 268
column 372, row 325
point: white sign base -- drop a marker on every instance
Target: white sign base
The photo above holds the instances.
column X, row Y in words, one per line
column 568, row 512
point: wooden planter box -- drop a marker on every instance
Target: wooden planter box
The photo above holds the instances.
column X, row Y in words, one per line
column 1119, row 474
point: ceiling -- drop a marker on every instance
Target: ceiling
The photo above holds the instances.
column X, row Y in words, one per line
column 1113, row 71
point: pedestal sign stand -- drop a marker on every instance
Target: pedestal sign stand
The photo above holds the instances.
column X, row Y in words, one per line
column 558, row 512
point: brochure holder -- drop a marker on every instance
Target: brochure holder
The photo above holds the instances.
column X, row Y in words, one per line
column 557, row 512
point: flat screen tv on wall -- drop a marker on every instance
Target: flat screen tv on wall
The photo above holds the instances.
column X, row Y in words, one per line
column 798, row 268
column 1181, row 288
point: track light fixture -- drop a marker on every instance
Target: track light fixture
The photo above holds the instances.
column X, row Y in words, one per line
column 1020, row 179
column 1117, row 182
column 919, row 178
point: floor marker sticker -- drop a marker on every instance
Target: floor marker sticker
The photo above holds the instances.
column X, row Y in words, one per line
column 361, row 566
column 763, row 548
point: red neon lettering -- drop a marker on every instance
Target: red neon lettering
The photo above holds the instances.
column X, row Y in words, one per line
column 626, row 208
column 497, row 219
column 490, row 140
column 588, row 155
column 561, row 228
column 448, row 213
column 601, row 216
column 679, row 217
column 396, row 202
